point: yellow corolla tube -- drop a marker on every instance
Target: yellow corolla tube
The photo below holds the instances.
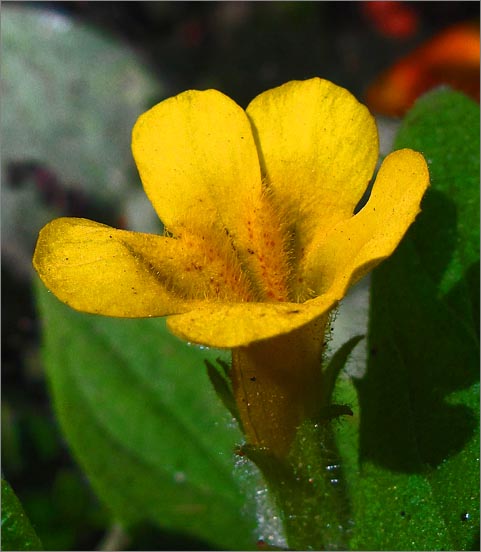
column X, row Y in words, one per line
column 261, row 238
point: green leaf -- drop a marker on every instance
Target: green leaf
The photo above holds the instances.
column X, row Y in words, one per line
column 415, row 483
column 17, row 532
column 144, row 423
column 223, row 387
column 336, row 364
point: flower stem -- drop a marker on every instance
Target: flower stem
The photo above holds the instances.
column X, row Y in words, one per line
column 283, row 396
column 277, row 384
column 309, row 490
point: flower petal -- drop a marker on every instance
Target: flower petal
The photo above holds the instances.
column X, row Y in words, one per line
column 227, row 325
column 355, row 246
column 197, row 160
column 97, row 269
column 318, row 148
column 199, row 165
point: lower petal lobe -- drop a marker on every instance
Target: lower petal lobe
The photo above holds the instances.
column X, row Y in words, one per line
column 101, row 270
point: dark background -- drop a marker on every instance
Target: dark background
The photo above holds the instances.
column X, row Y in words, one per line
column 244, row 48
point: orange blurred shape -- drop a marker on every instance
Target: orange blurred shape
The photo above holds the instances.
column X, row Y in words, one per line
column 392, row 19
column 450, row 58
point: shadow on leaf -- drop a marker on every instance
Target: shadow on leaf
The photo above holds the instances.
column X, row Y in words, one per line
column 416, row 405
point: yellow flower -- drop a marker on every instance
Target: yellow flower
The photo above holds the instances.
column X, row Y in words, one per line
column 261, row 241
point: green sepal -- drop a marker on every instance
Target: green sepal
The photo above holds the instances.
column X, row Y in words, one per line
column 222, row 386
column 335, row 366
